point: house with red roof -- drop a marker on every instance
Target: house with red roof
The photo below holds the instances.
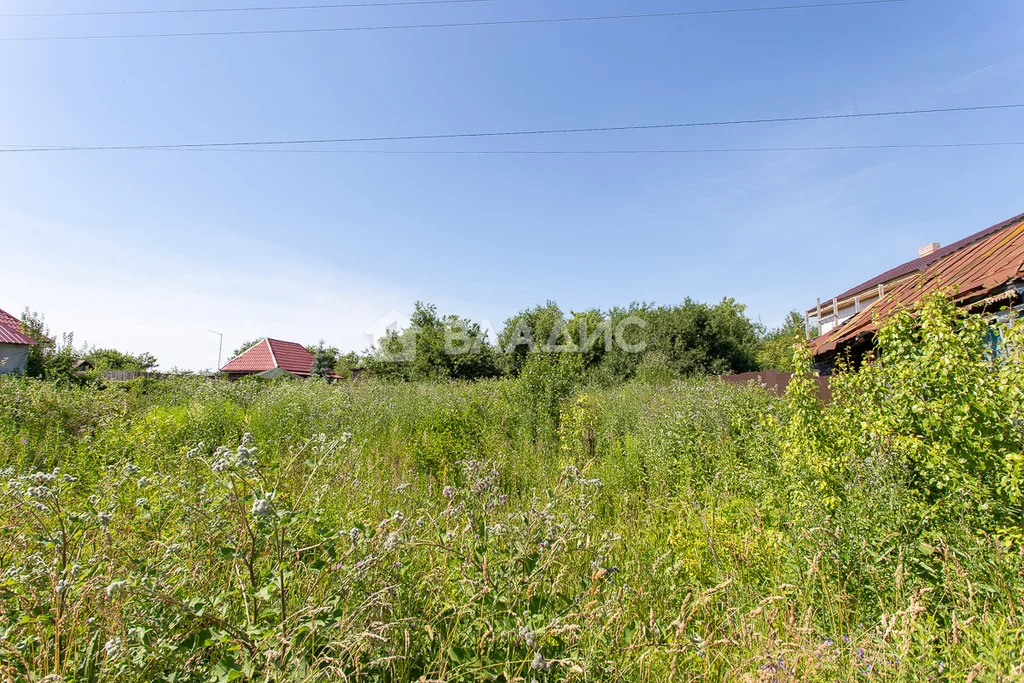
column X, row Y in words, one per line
column 833, row 312
column 983, row 272
column 270, row 358
column 14, row 345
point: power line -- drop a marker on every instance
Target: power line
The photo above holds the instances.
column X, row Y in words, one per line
column 465, row 24
column 549, row 131
column 211, row 10
column 691, row 150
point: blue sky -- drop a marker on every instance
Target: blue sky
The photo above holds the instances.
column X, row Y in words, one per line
column 148, row 250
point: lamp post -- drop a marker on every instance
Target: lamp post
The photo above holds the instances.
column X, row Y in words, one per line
column 220, row 347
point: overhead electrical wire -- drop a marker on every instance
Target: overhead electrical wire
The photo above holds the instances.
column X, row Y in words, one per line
column 12, row 148
column 212, row 10
column 610, row 152
column 459, row 24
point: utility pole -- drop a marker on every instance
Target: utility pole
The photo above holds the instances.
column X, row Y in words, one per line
column 220, row 347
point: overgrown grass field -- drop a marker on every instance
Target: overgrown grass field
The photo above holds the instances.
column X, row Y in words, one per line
column 523, row 529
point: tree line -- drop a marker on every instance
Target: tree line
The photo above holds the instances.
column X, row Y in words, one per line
column 643, row 341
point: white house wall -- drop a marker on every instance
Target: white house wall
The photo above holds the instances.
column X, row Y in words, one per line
column 13, row 358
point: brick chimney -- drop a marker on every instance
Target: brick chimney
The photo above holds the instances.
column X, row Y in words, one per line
column 928, row 249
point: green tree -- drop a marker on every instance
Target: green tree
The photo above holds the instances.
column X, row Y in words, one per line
column 48, row 359
column 776, row 347
column 112, row 359
column 324, row 359
column 527, row 331
column 434, row 347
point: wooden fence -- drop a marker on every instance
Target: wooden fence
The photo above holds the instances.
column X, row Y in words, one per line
column 125, row 375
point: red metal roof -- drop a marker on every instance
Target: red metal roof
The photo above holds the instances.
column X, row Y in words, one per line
column 919, row 264
column 10, row 330
column 270, row 354
column 981, row 268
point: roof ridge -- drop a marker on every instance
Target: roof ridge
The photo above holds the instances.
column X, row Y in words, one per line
column 273, row 356
column 919, row 264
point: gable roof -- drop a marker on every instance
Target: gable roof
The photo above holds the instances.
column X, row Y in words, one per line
column 269, row 354
column 10, row 330
column 919, row 264
column 981, row 268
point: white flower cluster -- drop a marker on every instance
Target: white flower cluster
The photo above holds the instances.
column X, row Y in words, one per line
column 39, row 486
column 113, row 647
column 528, row 636
column 261, row 506
column 244, row 456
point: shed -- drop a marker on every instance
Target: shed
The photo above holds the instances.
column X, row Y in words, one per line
column 14, row 345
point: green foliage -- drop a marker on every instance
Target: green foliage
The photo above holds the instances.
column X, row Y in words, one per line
column 112, row 359
column 776, row 350
column 935, row 408
column 47, row 358
column 527, row 528
column 527, row 331
column 434, row 347
column 324, row 360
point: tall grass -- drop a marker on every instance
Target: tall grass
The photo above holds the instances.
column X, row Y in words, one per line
column 193, row 531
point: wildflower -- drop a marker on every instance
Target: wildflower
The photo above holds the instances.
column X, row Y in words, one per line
column 860, row 652
column 220, row 465
column 24, row 441
column 41, row 492
column 391, row 542
column 448, row 492
column 527, row 635
column 402, row 487
column 539, row 663
column 114, row 588
column 143, row 482
column 246, row 439
column 942, row 666
column 261, row 507
column 244, row 456
column 828, row 642
column 131, row 469
column 354, row 533
column 63, row 586
column 141, row 502
column 113, row 647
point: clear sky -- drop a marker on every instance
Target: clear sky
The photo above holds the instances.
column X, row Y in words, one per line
column 148, row 250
